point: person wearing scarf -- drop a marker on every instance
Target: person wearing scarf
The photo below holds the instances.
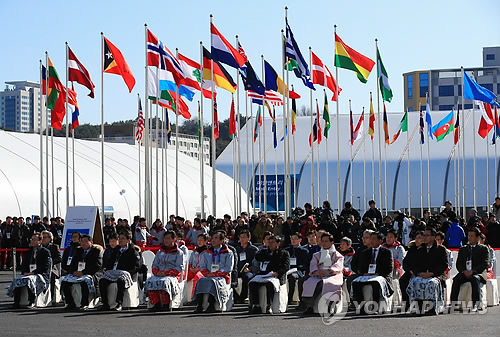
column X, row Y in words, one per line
column 195, row 259
column 347, row 252
column 398, row 253
column 326, row 275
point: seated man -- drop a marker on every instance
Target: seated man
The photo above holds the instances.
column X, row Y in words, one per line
column 126, row 264
column 375, row 266
column 326, row 275
column 429, row 274
column 398, row 253
column 366, row 242
column 274, row 263
column 299, row 263
column 109, row 255
column 246, row 252
column 67, row 256
column 85, row 265
column 167, row 269
column 55, row 254
column 196, row 258
column 216, row 266
column 472, row 265
column 347, row 252
column 35, row 273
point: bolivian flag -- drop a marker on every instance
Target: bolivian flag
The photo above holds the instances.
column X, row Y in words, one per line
column 348, row 58
column 222, row 79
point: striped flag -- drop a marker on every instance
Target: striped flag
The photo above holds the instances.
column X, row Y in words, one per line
column 371, row 120
column 224, row 52
column 386, row 127
column 456, row 134
column 140, row 123
column 326, row 117
column 258, row 124
column 422, row 138
column 216, row 121
column 270, row 96
column 383, row 79
column 78, row 73
column 348, row 58
column 294, row 115
column 358, row 131
column 292, row 51
column 403, row 127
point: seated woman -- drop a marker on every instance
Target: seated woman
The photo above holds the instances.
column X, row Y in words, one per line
column 167, row 269
column 429, row 270
column 398, row 252
column 347, row 252
column 195, row 259
column 326, row 275
column 491, row 260
column 35, row 273
column 216, row 268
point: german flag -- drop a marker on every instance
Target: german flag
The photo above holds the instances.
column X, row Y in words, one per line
column 348, row 58
column 114, row 63
column 222, row 79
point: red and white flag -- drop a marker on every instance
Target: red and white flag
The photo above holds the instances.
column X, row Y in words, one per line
column 487, row 119
column 78, row 73
column 161, row 57
column 322, row 76
column 358, row 131
column 140, row 123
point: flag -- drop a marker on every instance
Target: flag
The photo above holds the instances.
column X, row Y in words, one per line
column 114, row 63
column 444, row 127
column 403, row 127
column 192, row 73
column 474, row 91
column 224, row 52
column 250, row 80
column 73, row 106
column 371, row 120
column 222, row 79
column 294, row 115
column 428, row 117
column 161, row 57
column 232, row 120
column 348, row 58
column 55, row 97
column 316, row 131
column 326, row 117
column 292, row 51
column 215, row 122
column 275, row 138
column 321, row 75
column 496, row 134
column 199, row 123
column 383, row 80
column 422, row 137
column 169, row 127
column 78, row 73
column 140, row 123
column 166, row 98
column 167, row 83
column 487, row 119
column 275, row 83
column 270, row 96
column 44, row 80
column 386, row 127
column 456, row 135
column 357, row 132
column 258, row 124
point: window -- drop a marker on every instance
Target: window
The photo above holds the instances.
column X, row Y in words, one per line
column 410, row 109
column 490, row 57
column 424, row 84
column 459, row 90
column 488, row 86
column 445, row 107
column 467, row 106
column 498, row 88
column 410, row 86
column 446, row 90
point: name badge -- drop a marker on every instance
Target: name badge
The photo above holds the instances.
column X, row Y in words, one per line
column 115, row 265
column 214, row 268
column 263, row 265
column 374, row 220
column 293, row 261
column 372, row 268
column 59, row 233
column 243, row 256
column 8, row 235
column 69, row 260
column 32, row 267
column 81, row 266
column 468, row 265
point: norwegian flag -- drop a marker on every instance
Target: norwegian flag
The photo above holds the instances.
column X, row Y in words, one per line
column 161, row 57
column 140, row 123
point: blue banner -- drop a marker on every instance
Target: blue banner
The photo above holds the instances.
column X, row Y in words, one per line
column 271, row 190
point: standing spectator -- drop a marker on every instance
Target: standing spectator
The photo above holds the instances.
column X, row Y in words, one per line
column 141, row 235
column 493, row 231
column 37, row 226
column 23, row 236
column 108, row 229
column 495, row 208
column 264, row 225
column 402, row 226
column 455, row 235
column 7, row 242
column 448, row 210
column 349, row 210
column 309, row 227
column 195, row 231
column 373, row 214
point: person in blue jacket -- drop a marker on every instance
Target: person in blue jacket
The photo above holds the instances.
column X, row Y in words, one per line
column 455, row 235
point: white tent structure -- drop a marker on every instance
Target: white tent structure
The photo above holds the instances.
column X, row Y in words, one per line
column 443, row 181
column 20, row 179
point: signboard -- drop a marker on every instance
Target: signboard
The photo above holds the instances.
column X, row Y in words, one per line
column 83, row 219
column 271, row 189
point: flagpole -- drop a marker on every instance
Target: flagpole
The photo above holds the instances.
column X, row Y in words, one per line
column 156, row 154
column 459, row 192
column 202, row 154
column 312, row 137
column 177, row 143
column 373, row 149
column 47, row 143
column 318, row 161
column 234, row 167
column 163, row 143
column 151, row 158
column 496, row 157
column 463, row 145
column 264, row 137
column 276, row 161
column 67, row 129
column 146, row 131
column 167, row 126
column 421, row 121
column 103, row 218
column 409, row 177
column 139, row 154
column 247, row 136
column 488, row 171
column 338, row 129
column 259, row 163
column 380, row 142
column 385, row 174
column 73, row 159
column 239, row 209
column 214, row 169
column 364, row 163
column 295, row 193
column 51, row 166
column 326, row 151
column 457, row 198
column 474, row 146
column 286, row 95
column 253, row 159
column 428, row 160
column 41, row 142
column 350, row 157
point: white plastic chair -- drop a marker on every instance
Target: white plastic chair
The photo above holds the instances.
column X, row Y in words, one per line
column 130, row 297
column 41, row 301
column 280, row 299
column 385, row 303
column 465, row 294
column 76, row 293
column 147, row 259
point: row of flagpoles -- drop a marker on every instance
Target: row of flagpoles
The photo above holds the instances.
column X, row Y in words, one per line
column 170, row 78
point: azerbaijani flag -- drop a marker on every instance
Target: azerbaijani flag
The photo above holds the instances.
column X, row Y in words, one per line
column 444, row 127
column 348, row 58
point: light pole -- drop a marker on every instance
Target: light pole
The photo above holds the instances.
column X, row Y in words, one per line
column 57, row 198
column 122, row 192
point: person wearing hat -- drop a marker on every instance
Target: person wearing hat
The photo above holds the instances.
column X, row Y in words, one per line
column 448, row 210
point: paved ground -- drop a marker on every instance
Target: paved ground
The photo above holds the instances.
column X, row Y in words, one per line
column 139, row 322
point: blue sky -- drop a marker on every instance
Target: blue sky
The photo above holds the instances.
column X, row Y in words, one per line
column 412, row 36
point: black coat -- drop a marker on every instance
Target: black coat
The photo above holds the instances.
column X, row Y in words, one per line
column 480, row 259
column 384, row 263
column 55, row 255
column 374, row 213
column 250, row 251
column 355, row 259
column 279, row 262
column 69, row 251
column 435, row 260
column 302, row 256
column 42, row 260
column 93, row 260
column 409, row 259
column 109, row 257
column 129, row 260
